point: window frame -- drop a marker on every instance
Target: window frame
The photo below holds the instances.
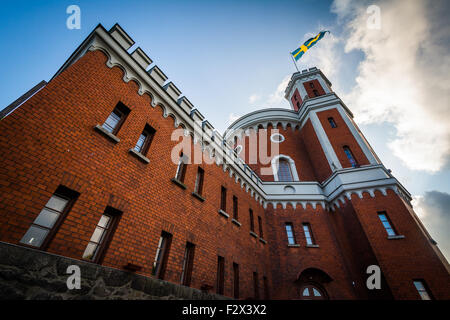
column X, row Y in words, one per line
column 252, row 220
column 332, row 122
column 426, row 289
column 181, row 168
column 105, row 242
column 199, row 178
column 350, row 156
column 388, row 220
column 235, row 208
column 123, row 111
column 150, row 133
column 286, row 225
column 307, row 225
column 220, row 281
column 162, row 255
column 188, row 264
column 62, row 192
column 255, row 285
column 261, row 231
column 223, row 199
column 288, row 166
column 235, row 280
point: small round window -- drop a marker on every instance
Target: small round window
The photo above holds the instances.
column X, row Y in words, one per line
column 238, row 149
column 277, row 138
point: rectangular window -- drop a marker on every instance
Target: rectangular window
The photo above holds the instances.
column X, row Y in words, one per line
column 266, row 288
column 386, row 224
column 235, row 280
column 252, row 222
column 223, row 199
column 199, row 181
column 290, row 233
column 350, row 157
column 422, row 290
column 220, row 274
column 256, row 285
column 235, row 207
column 188, row 262
column 100, row 239
column 145, row 139
column 162, row 255
column 181, row 170
column 308, row 234
column 50, row 218
column 332, row 122
column 260, row 227
column 116, row 118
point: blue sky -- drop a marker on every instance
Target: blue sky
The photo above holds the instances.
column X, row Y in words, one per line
column 230, row 58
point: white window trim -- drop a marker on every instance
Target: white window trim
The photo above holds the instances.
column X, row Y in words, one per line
column 274, row 163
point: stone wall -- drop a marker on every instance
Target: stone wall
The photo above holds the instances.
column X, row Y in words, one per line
column 32, row 274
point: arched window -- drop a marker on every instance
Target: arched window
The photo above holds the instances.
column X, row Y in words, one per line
column 284, row 170
column 311, row 292
column 350, row 157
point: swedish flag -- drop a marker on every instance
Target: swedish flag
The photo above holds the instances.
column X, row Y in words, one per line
column 298, row 53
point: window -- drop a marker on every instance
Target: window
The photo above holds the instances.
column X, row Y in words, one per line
column 145, row 139
column 290, row 233
column 311, row 85
column 116, row 118
column 235, row 280
column 298, row 105
column 308, row 234
column 162, row 254
column 316, row 93
column 332, row 122
column 260, row 227
column 102, row 235
column 350, row 157
column 50, row 218
column 188, row 261
column 266, row 288
column 223, row 199
column 422, row 290
column 181, row 170
column 311, row 292
column 252, row 222
column 284, row 170
column 386, row 224
column 199, row 181
column 220, row 274
column 235, row 207
column 255, row 285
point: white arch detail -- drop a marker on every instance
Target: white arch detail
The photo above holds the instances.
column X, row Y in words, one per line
column 274, row 163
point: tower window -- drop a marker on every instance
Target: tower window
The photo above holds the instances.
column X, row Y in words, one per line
column 260, row 227
column 235, row 207
column 252, row 222
column 223, row 199
column 188, row 262
column 386, row 224
column 298, row 104
column 47, row 222
column 350, row 157
column 162, row 254
column 181, row 169
column 199, row 181
column 102, row 235
column 311, row 85
column 284, row 170
column 332, row 122
column 145, row 139
column 316, row 93
column 308, row 234
column 422, row 290
column 290, row 233
column 235, row 280
column 266, row 288
column 116, row 118
column 220, row 274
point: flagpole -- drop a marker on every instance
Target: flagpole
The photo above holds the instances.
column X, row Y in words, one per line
column 294, row 62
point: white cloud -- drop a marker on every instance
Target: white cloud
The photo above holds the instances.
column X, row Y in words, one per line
column 276, row 98
column 432, row 209
column 403, row 78
column 253, row 98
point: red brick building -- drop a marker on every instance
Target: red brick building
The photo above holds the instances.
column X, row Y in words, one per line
column 90, row 168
